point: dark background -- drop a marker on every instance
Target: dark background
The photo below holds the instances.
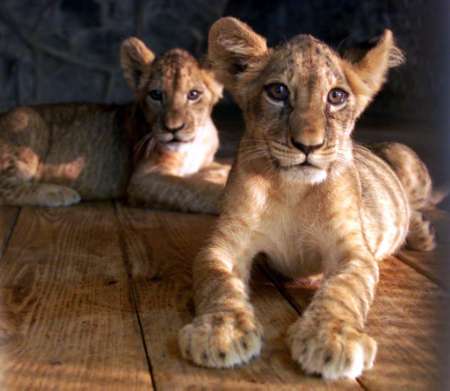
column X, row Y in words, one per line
column 67, row 50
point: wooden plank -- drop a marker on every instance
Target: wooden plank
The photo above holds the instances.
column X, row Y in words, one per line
column 8, row 217
column 405, row 321
column 435, row 264
column 66, row 319
column 160, row 248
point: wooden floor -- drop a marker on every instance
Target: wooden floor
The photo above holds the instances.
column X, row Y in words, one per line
column 92, row 298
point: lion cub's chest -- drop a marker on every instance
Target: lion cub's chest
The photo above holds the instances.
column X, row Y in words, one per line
column 193, row 159
column 195, row 155
column 293, row 239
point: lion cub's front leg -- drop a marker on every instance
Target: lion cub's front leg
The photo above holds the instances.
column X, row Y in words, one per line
column 198, row 193
column 329, row 338
column 225, row 331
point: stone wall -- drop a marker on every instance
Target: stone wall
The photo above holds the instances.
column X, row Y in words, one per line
column 67, row 50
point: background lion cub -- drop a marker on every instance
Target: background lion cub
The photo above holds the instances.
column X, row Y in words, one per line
column 150, row 150
column 303, row 193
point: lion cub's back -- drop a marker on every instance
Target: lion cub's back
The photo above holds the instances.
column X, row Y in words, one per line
column 77, row 145
column 89, row 150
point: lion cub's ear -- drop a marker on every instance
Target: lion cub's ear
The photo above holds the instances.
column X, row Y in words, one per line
column 235, row 51
column 213, row 85
column 135, row 59
column 210, row 80
column 371, row 70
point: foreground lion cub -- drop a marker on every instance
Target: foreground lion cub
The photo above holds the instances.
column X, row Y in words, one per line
column 149, row 150
column 303, row 193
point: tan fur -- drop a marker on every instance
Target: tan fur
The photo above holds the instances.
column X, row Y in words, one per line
column 338, row 215
column 56, row 155
column 416, row 181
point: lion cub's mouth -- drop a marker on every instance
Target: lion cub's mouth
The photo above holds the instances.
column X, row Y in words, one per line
column 283, row 159
column 305, row 164
column 302, row 165
column 170, row 139
column 176, row 144
column 304, row 171
column 177, row 141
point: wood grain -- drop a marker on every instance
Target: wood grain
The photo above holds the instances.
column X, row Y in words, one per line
column 405, row 321
column 66, row 318
column 160, row 249
column 8, row 217
column 431, row 264
column 72, row 279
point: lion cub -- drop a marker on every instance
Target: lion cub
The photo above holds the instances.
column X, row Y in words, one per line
column 304, row 194
column 150, row 150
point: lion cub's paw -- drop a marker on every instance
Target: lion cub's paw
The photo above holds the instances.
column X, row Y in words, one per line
column 332, row 349
column 221, row 339
column 54, row 196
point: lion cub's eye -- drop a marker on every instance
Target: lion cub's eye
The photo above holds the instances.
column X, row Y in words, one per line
column 337, row 97
column 277, row 91
column 193, row 94
column 156, row 95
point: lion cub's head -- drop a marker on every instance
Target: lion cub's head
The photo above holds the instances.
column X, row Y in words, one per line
column 301, row 99
column 175, row 93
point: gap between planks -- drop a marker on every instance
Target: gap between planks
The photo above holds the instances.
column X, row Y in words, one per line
column 160, row 247
column 67, row 320
column 406, row 258
column 406, row 304
column 9, row 216
column 434, row 265
column 133, row 292
column 292, row 299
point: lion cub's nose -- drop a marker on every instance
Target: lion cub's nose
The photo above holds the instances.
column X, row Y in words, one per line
column 173, row 128
column 306, row 149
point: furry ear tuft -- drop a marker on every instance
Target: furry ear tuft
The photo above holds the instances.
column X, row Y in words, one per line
column 135, row 58
column 373, row 67
column 368, row 74
column 396, row 57
column 235, row 51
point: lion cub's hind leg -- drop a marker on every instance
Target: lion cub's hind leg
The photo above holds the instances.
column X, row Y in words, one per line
column 416, row 181
column 23, row 142
column 41, row 194
column 421, row 234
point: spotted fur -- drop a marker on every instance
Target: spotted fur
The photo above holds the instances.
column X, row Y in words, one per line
column 152, row 152
column 337, row 210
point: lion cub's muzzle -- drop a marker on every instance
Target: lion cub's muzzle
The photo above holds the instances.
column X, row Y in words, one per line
column 183, row 132
column 296, row 153
column 308, row 163
column 306, row 149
